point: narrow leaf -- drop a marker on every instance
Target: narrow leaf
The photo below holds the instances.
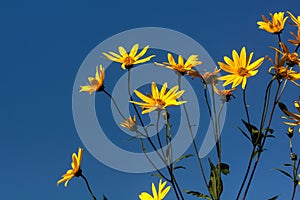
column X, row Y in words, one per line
column 198, row 194
column 284, row 172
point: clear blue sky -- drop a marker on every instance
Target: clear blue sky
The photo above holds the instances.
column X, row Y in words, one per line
column 42, row 45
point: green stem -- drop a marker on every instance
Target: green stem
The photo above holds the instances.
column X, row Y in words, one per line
column 193, row 139
column 88, row 186
column 264, row 139
column 115, row 103
column 172, row 177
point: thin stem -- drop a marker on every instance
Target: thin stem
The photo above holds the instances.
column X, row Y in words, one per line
column 158, row 137
column 264, row 139
column 154, row 166
column 264, row 115
column 279, row 37
column 247, row 173
column 193, row 139
column 115, row 103
column 297, row 47
column 246, row 107
column 88, row 186
column 152, row 144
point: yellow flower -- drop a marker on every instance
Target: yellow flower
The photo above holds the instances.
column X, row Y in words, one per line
column 157, row 195
column 290, row 58
column 295, row 20
column 128, row 60
column 130, row 124
column 96, row 84
column 292, row 116
column 297, row 37
column 75, row 171
column 239, row 67
column 180, row 67
column 159, row 100
column 276, row 25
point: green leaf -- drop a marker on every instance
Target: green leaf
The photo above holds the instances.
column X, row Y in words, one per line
column 179, row 167
column 255, row 153
column 271, row 136
column 198, row 194
column 270, row 130
column 104, row 197
column 284, row 172
column 287, row 165
column 157, row 175
column 283, row 108
column 274, row 198
column 224, row 168
column 243, row 132
column 256, row 136
column 182, row 157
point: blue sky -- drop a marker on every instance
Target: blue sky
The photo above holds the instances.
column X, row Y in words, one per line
column 43, row 45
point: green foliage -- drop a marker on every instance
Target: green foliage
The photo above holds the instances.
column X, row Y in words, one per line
column 255, row 134
column 198, row 194
column 215, row 182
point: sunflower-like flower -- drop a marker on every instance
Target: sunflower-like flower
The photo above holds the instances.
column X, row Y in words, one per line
column 290, row 58
column 180, row 66
column 295, row 118
column 295, row 20
column 159, row 100
column 157, row 195
column 239, row 67
column 128, row 60
column 75, row 171
column 96, row 84
column 276, row 25
column 297, row 38
column 130, row 124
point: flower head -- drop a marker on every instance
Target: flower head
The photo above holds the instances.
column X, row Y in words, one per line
column 276, row 24
column 159, row 100
column 225, row 95
column 128, row 60
column 239, row 67
column 297, row 37
column 295, row 20
column 295, row 118
column 180, row 66
column 211, row 77
column 75, row 171
column 157, row 195
column 96, row 84
column 130, row 124
column 290, row 58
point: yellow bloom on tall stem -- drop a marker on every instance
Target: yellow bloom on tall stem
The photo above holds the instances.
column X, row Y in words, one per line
column 180, row 66
column 75, row 171
column 128, row 60
column 96, row 84
column 239, row 67
column 296, row 20
column 157, row 195
column 276, row 24
column 159, row 100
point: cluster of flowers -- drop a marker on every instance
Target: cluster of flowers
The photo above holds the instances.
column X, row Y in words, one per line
column 239, row 68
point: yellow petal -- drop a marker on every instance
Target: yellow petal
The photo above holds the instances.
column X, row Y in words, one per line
column 123, row 51
column 134, row 50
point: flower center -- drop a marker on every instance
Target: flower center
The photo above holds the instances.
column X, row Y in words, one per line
column 129, row 60
column 160, row 103
column 242, row 72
